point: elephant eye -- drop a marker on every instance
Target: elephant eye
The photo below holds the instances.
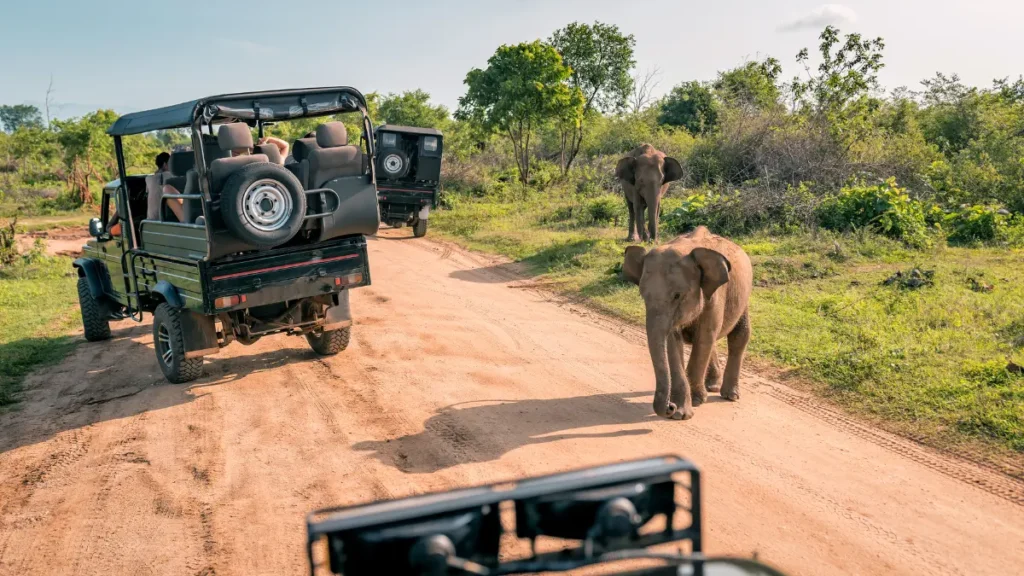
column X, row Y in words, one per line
column 676, row 296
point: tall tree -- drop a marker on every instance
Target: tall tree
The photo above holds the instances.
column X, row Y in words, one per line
column 848, row 71
column 691, row 105
column 412, row 108
column 523, row 87
column 600, row 58
column 642, row 94
column 19, row 116
column 752, row 85
column 87, row 150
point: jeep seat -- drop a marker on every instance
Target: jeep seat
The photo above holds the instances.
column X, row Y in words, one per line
column 300, row 159
column 334, row 157
column 232, row 138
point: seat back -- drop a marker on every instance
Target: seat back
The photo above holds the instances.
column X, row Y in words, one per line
column 181, row 163
column 270, row 151
column 236, row 138
column 334, row 157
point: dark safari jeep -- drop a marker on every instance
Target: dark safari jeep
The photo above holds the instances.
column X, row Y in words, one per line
column 256, row 245
column 408, row 174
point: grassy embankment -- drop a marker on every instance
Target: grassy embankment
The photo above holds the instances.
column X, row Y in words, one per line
column 929, row 362
column 37, row 301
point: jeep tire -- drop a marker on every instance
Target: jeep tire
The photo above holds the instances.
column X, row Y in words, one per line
column 263, row 205
column 95, row 319
column 330, row 342
column 419, row 228
column 394, row 164
column 169, row 342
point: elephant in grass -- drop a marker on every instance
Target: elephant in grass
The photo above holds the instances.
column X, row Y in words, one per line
column 645, row 175
column 696, row 289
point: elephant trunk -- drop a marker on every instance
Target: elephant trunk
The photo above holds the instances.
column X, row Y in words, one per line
column 657, row 341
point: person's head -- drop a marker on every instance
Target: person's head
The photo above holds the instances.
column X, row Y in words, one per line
column 162, row 161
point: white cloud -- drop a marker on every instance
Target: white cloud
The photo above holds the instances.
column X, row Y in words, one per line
column 822, row 16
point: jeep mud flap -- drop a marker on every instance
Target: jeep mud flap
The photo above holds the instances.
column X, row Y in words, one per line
column 340, row 315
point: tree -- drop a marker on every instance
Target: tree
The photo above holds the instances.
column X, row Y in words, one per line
column 848, row 72
column 752, row 85
column 692, row 106
column 523, row 87
column 600, row 58
column 412, row 108
column 19, row 116
column 87, row 148
column 643, row 89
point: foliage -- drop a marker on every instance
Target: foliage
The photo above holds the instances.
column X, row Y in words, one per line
column 523, row 87
column 607, row 209
column 753, row 85
column 691, row 105
column 977, row 224
column 884, row 208
column 600, row 58
column 20, row 116
column 412, row 108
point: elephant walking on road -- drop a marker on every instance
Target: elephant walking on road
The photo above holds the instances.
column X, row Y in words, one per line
column 645, row 175
column 696, row 289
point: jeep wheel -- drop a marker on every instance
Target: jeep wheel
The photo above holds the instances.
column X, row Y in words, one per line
column 419, row 229
column 95, row 319
column 263, row 204
column 169, row 341
column 330, row 342
column 394, row 164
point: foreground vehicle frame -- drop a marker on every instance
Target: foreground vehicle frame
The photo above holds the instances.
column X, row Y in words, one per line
column 205, row 286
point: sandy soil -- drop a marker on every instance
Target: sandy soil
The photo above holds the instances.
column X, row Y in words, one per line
column 459, row 373
column 64, row 242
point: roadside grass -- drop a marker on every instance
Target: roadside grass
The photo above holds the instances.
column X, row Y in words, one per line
column 930, row 362
column 55, row 222
column 37, row 311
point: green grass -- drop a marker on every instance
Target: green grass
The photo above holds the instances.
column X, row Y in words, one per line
column 63, row 220
column 37, row 300
column 930, row 362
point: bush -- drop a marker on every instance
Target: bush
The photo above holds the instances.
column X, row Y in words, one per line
column 608, row 209
column 884, row 208
column 977, row 224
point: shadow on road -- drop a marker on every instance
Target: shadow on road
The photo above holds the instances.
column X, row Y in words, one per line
column 497, row 274
column 98, row 382
column 486, row 430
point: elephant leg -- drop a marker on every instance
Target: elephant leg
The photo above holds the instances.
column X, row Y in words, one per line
column 713, row 379
column 652, row 220
column 738, row 339
column 631, row 237
column 679, row 394
column 696, row 368
column 640, row 208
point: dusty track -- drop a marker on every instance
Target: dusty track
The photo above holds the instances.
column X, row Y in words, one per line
column 457, row 374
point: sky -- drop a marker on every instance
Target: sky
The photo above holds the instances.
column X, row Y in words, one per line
column 131, row 55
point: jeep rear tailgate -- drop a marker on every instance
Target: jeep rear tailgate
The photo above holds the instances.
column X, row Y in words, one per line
column 287, row 274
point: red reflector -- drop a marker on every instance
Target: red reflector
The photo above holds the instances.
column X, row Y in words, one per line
column 228, row 301
column 337, row 281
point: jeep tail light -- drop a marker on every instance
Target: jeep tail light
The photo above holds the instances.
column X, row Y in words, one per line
column 349, row 279
column 389, row 140
column 229, row 301
column 430, row 144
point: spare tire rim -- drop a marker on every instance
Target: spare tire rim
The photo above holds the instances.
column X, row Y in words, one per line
column 267, row 205
column 164, row 345
column 392, row 163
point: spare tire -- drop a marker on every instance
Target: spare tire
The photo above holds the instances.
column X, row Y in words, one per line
column 263, row 204
column 394, row 163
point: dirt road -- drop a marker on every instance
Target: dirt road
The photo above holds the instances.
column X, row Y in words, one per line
column 458, row 374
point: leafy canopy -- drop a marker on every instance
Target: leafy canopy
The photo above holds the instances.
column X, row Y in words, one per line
column 20, row 116
column 691, row 105
column 412, row 108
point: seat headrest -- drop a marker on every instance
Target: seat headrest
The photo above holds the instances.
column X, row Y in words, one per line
column 234, row 136
column 302, row 147
column 182, row 162
column 331, row 135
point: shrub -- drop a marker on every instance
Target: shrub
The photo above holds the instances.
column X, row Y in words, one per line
column 977, row 224
column 884, row 208
column 608, row 209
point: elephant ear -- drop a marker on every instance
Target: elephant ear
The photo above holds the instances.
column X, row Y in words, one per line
column 626, row 170
column 714, row 269
column 673, row 171
column 633, row 263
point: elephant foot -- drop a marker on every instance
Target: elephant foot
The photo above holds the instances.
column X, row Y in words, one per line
column 731, row 394
column 712, row 385
column 699, row 398
column 632, row 238
column 676, row 414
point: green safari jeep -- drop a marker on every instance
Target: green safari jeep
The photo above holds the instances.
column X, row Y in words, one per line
column 235, row 242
